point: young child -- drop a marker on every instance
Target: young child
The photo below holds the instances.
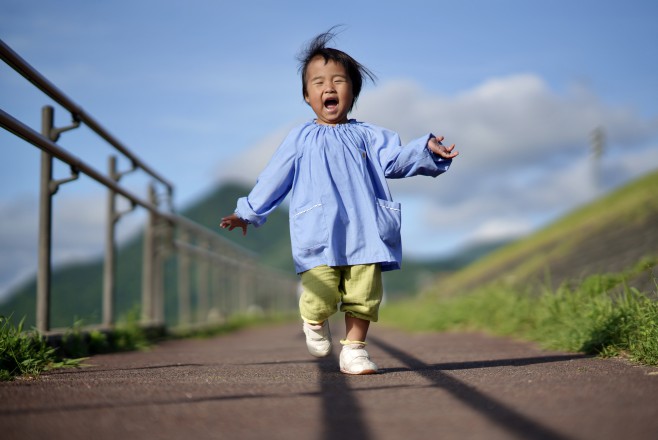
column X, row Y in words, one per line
column 344, row 225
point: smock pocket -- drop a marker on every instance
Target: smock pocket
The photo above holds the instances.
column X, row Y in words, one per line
column 389, row 220
column 308, row 227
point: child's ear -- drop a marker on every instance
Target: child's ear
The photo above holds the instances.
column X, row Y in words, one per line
column 306, row 98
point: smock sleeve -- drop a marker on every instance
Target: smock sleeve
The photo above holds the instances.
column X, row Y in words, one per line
column 272, row 185
column 399, row 161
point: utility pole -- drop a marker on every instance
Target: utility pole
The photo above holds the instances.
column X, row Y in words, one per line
column 597, row 145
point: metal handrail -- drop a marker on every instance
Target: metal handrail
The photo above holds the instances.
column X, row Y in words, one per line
column 195, row 244
column 23, row 131
column 21, row 66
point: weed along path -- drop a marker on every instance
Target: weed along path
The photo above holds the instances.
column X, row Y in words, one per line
column 261, row 383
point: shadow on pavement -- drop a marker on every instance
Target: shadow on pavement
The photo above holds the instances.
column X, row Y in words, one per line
column 471, row 365
column 508, row 419
column 343, row 417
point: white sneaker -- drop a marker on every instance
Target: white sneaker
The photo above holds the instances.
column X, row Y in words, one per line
column 354, row 359
column 318, row 338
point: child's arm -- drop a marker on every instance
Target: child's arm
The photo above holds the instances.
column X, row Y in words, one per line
column 425, row 156
column 233, row 221
column 436, row 147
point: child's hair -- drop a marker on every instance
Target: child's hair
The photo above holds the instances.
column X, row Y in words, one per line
column 355, row 70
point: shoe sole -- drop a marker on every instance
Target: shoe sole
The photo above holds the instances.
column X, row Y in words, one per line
column 319, row 355
column 370, row 371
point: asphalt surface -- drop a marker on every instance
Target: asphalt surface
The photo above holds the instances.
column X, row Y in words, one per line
column 261, row 384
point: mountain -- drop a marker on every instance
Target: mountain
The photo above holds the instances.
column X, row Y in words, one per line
column 271, row 241
column 76, row 288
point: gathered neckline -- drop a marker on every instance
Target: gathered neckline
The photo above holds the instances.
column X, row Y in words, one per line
column 348, row 123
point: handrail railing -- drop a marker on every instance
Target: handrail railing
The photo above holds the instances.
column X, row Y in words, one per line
column 21, row 130
column 21, row 66
column 238, row 282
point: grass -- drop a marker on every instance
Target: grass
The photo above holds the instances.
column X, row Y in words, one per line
column 233, row 323
column 127, row 335
column 27, row 353
column 600, row 315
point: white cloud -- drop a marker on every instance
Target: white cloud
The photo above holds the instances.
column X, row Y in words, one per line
column 78, row 233
column 247, row 166
column 634, row 164
column 18, row 239
column 497, row 228
column 78, row 226
column 505, row 122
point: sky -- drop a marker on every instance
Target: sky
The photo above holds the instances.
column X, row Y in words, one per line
column 205, row 90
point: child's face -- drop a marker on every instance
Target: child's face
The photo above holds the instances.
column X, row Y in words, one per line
column 328, row 91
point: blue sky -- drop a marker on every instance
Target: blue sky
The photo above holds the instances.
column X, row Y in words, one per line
column 205, row 90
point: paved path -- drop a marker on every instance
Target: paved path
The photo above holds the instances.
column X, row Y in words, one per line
column 261, row 384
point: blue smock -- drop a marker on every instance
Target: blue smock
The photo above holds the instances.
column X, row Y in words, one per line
column 341, row 210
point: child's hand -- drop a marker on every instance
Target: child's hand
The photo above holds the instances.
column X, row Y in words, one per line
column 436, row 147
column 233, row 221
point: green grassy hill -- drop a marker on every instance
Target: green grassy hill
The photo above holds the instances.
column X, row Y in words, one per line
column 610, row 235
column 271, row 241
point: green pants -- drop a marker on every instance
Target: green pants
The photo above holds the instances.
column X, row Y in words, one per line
column 358, row 290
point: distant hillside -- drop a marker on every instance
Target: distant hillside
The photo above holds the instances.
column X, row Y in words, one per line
column 76, row 288
column 609, row 235
column 271, row 241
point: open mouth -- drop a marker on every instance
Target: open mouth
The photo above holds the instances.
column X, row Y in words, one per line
column 331, row 103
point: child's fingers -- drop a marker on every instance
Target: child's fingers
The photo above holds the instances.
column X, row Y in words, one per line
column 436, row 143
column 451, row 152
column 231, row 223
column 445, row 152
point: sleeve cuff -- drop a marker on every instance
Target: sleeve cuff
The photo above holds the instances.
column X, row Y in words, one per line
column 244, row 211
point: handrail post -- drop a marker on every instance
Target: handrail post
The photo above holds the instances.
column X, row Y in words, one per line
column 48, row 187
column 149, row 263
column 215, row 276
column 45, row 227
column 183, row 282
column 164, row 247
column 203, row 267
column 201, row 297
column 109, row 266
column 158, row 280
column 242, row 287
